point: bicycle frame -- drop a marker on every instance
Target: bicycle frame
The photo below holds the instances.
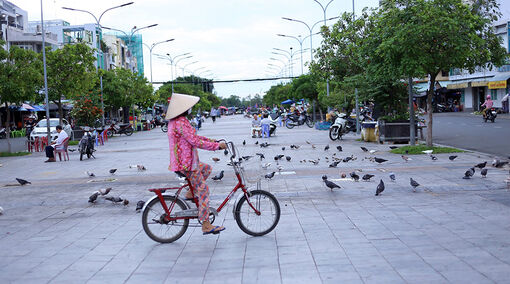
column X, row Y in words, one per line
column 240, row 185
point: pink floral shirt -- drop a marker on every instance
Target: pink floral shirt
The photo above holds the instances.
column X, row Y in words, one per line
column 183, row 143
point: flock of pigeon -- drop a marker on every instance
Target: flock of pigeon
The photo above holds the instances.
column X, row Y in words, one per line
column 334, row 161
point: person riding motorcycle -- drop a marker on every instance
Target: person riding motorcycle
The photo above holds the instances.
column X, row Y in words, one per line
column 488, row 105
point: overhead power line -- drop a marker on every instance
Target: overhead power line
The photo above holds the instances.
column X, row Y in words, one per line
column 226, row 81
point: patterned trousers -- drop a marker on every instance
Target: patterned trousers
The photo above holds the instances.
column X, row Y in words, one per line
column 201, row 190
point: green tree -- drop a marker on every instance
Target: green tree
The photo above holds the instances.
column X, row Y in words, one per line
column 20, row 79
column 70, row 72
column 420, row 38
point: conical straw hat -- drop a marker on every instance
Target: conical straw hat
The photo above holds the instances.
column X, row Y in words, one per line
column 180, row 103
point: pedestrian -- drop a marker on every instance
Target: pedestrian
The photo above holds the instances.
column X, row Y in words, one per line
column 505, row 101
column 255, row 126
column 58, row 143
column 183, row 143
column 264, row 124
column 213, row 115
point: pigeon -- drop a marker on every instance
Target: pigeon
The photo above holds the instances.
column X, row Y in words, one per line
column 104, row 191
column 326, row 148
column 413, row 183
column 125, row 202
column 225, row 152
column 1, row 211
column 380, row 188
column 139, row 205
column 331, row 184
column 372, row 151
column 288, row 158
column 246, row 158
column 308, row 142
column 364, row 149
column 295, row 146
column 452, row 157
column 215, row 159
column 279, row 167
column 257, row 143
column 141, row 168
column 434, row 158
column 392, row 177
column 333, row 165
column 114, row 199
column 393, row 147
column 428, row 152
column 343, row 175
column 484, row 173
column 244, row 142
column 93, row 197
column 379, row 160
column 313, row 146
column 278, row 157
column 354, row 176
column 315, row 162
column 339, row 148
column 266, row 165
column 260, row 155
column 500, row 164
column 407, row 152
column 90, row 174
column 324, row 177
column 481, row 165
column 270, row 175
column 264, row 145
column 71, row 150
column 112, row 171
column 346, row 159
column 22, row 181
column 405, row 158
column 218, row 176
column 283, row 148
column 367, row 177
column 469, row 173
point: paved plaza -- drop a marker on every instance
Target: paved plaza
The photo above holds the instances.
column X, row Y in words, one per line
column 452, row 230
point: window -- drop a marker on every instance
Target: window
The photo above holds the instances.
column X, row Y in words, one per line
column 494, row 94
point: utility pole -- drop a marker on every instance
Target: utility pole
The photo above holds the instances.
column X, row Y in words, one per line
column 411, row 114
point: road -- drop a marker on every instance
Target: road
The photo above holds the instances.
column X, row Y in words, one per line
column 469, row 132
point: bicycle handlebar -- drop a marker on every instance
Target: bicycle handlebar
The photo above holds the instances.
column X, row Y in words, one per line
column 230, row 147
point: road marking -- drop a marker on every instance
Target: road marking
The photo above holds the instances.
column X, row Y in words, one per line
column 287, row 173
column 498, row 127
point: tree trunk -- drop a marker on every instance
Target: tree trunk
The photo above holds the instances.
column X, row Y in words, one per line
column 125, row 113
column 8, row 128
column 429, row 109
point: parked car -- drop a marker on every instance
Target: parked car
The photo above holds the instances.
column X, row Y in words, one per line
column 40, row 128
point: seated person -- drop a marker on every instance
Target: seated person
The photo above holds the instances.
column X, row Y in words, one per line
column 255, row 126
column 50, row 149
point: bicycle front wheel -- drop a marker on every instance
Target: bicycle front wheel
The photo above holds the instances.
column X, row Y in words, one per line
column 157, row 227
column 263, row 222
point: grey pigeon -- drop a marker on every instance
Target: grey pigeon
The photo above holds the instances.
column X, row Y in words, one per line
column 257, row 143
column 339, row 148
column 481, row 165
column 346, row 159
column 225, row 152
column 112, row 171
column 331, row 184
column 270, row 175
column 380, row 188
column 500, row 164
column 413, row 183
column 468, row 174
column 452, row 157
column 324, row 177
column 434, row 158
column 139, row 205
column 89, row 174
column 379, row 160
column 114, row 199
column 283, row 148
column 260, row 155
column 392, row 176
column 104, row 191
column 218, row 176
column 22, row 181
column 93, row 197
column 326, row 148
column 244, row 142
column 354, row 176
column 288, row 158
column 367, row 177
column 334, row 164
column 484, row 172
column 364, row 149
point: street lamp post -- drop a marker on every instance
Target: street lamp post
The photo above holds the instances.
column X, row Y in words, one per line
column 173, row 63
column 46, row 100
column 98, row 21
column 150, row 47
column 184, row 67
column 298, row 38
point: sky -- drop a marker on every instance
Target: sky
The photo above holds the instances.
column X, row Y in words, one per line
column 232, row 38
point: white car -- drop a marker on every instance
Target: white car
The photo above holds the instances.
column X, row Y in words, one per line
column 40, row 128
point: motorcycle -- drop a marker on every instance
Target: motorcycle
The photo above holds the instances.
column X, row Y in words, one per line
column 344, row 124
column 3, row 134
column 120, row 129
column 86, row 144
column 491, row 115
column 273, row 123
column 164, row 127
column 297, row 120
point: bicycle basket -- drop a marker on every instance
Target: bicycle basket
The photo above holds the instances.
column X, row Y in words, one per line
column 251, row 170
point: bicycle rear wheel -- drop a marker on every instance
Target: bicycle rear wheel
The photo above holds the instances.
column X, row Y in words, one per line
column 159, row 229
column 263, row 223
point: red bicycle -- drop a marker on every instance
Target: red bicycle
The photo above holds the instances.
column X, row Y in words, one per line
column 165, row 218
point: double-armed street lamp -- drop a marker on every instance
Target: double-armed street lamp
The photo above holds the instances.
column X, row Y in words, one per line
column 150, row 47
column 98, row 22
column 300, row 40
column 173, row 63
column 186, row 65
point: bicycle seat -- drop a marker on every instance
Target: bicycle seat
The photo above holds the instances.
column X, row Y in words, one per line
column 181, row 175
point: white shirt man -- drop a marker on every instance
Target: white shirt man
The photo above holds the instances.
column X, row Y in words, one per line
column 57, row 144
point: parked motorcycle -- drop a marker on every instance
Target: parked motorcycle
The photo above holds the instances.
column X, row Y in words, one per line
column 273, row 123
column 86, row 145
column 297, row 120
column 344, row 124
column 3, row 134
column 120, row 129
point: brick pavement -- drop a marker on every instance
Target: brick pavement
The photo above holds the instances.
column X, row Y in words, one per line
column 450, row 231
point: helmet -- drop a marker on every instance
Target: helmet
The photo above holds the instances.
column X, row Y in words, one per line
column 488, row 96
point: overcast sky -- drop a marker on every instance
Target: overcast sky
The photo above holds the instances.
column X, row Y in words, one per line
column 232, row 38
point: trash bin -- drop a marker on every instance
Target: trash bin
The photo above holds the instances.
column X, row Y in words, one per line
column 368, row 131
